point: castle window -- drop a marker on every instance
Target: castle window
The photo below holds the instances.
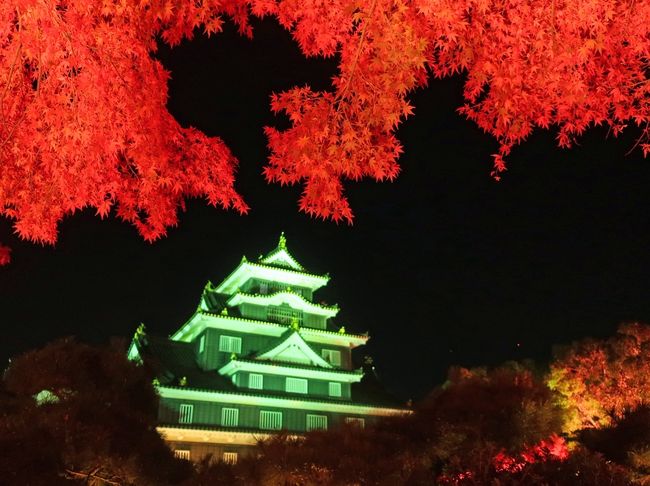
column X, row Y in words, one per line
column 230, row 417
column 316, row 422
column 296, row 385
column 185, row 413
column 264, row 288
column 283, row 315
column 356, row 421
column 332, row 356
column 256, row 381
column 182, row 454
column 270, row 420
column 334, row 389
column 230, row 457
column 202, row 343
column 230, row 344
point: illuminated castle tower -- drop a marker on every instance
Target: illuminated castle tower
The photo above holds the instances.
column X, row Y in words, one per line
column 257, row 356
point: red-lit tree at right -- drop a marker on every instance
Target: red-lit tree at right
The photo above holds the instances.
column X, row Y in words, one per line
column 601, row 380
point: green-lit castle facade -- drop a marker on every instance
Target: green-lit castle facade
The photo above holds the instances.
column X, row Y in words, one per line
column 258, row 356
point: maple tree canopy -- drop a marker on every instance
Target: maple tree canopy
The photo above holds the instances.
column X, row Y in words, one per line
column 83, row 120
column 602, row 380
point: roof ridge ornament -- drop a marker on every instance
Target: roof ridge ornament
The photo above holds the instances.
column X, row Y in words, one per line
column 282, row 242
column 140, row 335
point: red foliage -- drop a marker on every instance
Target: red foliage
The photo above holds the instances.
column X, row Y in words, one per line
column 553, row 448
column 83, row 120
column 455, row 479
column 348, row 132
column 5, row 254
column 529, row 64
column 601, row 380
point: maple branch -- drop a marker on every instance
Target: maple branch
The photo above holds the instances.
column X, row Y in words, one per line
column 92, row 474
column 4, row 93
column 358, row 53
column 10, row 77
column 341, row 96
column 11, row 73
column 13, row 129
column 553, row 26
column 643, row 136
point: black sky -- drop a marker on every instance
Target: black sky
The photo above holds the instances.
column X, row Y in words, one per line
column 443, row 266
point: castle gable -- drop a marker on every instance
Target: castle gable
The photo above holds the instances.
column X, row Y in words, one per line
column 294, row 349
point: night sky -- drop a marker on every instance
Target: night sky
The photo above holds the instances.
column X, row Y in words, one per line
column 443, row 266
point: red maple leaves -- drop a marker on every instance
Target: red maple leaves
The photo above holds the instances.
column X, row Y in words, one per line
column 601, row 380
column 553, row 448
column 83, row 120
column 528, row 64
column 543, row 63
column 347, row 133
column 5, row 255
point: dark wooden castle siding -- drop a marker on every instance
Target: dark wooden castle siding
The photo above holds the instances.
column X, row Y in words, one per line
column 212, row 358
column 315, row 388
column 199, row 450
column 209, row 414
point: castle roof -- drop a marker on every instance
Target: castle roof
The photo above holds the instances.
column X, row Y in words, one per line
column 247, row 269
column 294, row 299
column 281, row 257
column 175, row 367
column 203, row 319
column 174, row 362
column 291, row 348
column 277, row 265
column 281, row 399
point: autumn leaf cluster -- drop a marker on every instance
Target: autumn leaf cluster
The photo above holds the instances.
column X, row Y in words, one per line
column 83, row 118
column 602, row 380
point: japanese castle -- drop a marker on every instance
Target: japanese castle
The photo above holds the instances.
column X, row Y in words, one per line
column 256, row 357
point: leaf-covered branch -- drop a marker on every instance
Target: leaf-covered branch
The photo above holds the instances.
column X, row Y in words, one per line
column 85, row 123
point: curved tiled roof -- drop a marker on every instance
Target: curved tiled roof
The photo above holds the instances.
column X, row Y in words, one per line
column 286, row 364
column 331, row 308
column 311, row 329
column 281, row 248
column 290, row 398
column 285, row 269
column 174, row 360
